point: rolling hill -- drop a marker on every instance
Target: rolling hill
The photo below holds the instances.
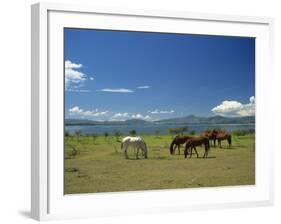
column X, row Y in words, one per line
column 191, row 119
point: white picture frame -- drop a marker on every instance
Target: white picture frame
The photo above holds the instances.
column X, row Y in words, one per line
column 48, row 201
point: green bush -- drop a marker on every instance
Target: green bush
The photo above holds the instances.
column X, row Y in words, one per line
column 117, row 135
column 94, row 137
column 178, row 131
column 133, row 132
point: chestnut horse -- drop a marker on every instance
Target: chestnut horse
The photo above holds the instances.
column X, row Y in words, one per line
column 178, row 141
column 224, row 136
column 196, row 141
column 211, row 135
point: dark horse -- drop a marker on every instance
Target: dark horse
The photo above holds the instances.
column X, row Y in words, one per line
column 196, row 141
column 211, row 135
column 178, row 141
column 224, row 136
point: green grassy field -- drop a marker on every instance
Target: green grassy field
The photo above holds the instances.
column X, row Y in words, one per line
column 101, row 166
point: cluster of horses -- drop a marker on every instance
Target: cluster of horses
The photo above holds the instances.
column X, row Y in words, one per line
column 191, row 142
column 204, row 139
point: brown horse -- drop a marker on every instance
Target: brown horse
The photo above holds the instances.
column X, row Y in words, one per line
column 211, row 135
column 178, row 141
column 224, row 136
column 196, row 141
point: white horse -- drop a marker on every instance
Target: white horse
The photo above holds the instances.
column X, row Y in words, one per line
column 136, row 142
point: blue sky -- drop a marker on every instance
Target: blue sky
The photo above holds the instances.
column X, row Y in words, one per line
column 118, row 75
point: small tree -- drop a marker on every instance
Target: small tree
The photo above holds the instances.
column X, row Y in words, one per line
column 117, row 135
column 178, row 131
column 173, row 131
column 105, row 134
column 94, row 137
column 78, row 133
column 183, row 129
column 132, row 132
column 193, row 132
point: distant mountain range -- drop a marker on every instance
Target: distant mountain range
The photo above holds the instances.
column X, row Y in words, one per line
column 191, row 119
column 91, row 122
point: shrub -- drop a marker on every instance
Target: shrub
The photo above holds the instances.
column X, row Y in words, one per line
column 94, row 137
column 117, row 135
column 177, row 131
column 78, row 133
column 105, row 134
column 132, row 132
column 193, row 132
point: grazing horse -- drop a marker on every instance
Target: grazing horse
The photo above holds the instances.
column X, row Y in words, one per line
column 196, row 141
column 224, row 136
column 137, row 143
column 178, row 141
column 211, row 135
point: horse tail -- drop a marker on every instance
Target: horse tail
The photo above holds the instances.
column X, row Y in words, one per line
column 185, row 149
column 187, row 146
column 172, row 146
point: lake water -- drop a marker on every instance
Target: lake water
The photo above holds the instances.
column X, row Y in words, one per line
column 151, row 128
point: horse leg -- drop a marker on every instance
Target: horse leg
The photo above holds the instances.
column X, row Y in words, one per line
column 191, row 148
column 174, row 148
column 126, row 153
column 179, row 149
column 206, row 151
column 137, row 157
column 196, row 152
column 214, row 143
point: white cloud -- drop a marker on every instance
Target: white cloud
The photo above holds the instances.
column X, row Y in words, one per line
column 126, row 116
column 91, row 78
column 73, row 78
column 120, row 90
column 161, row 111
column 70, row 65
column 140, row 116
column 235, row 108
column 75, row 110
column 252, row 100
column 119, row 116
column 143, row 87
column 86, row 113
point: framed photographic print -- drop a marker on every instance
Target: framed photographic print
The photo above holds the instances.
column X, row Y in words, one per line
column 138, row 111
